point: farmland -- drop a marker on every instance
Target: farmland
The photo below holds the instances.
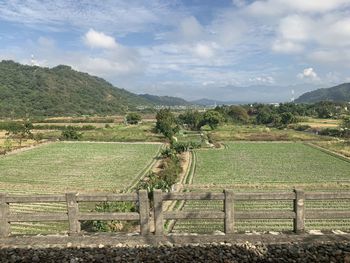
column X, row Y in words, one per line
column 67, row 166
column 262, row 166
column 60, row 167
column 271, row 165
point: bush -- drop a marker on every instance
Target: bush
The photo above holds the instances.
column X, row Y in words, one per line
column 114, row 225
column 331, row 132
column 71, row 133
column 167, row 152
column 302, row 127
column 133, row 118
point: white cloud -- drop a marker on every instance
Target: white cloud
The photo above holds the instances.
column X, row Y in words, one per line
column 295, row 28
column 190, row 29
column 97, row 39
column 308, row 74
column 285, row 46
column 204, row 50
column 120, row 16
column 238, row 3
column 281, row 7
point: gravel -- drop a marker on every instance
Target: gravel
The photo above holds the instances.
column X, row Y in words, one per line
column 213, row 252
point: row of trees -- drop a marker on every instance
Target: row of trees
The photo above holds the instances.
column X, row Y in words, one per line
column 279, row 116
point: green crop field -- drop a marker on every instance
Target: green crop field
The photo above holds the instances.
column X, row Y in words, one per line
column 63, row 166
column 271, row 165
column 267, row 167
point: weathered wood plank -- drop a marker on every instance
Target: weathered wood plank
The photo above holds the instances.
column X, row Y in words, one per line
column 158, row 212
column 322, row 214
column 36, row 198
column 265, row 215
column 193, row 215
column 327, row 195
column 108, row 216
column 4, row 216
column 299, row 209
column 265, row 196
column 144, row 212
column 229, row 223
column 107, row 197
column 38, row 217
column 193, row 196
column 73, row 211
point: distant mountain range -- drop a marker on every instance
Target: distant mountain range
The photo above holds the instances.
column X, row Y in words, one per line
column 340, row 93
column 208, row 102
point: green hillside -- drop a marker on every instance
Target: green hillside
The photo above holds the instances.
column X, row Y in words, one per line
column 60, row 91
column 340, row 93
column 166, row 100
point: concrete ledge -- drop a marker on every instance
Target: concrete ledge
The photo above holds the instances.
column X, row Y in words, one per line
column 101, row 240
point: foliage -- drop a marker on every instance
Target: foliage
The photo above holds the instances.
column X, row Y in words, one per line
column 19, row 131
column 165, row 178
column 191, row 118
column 59, row 91
column 238, row 114
column 71, row 133
column 212, row 118
column 346, row 122
column 133, row 118
column 302, row 127
column 114, row 225
column 166, row 123
column 340, row 93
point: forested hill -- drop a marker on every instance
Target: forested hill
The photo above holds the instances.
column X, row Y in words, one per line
column 340, row 93
column 59, row 91
column 166, row 100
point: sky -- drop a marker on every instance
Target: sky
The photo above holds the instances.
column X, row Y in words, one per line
column 237, row 50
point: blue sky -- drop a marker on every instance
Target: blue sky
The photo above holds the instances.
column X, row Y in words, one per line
column 224, row 49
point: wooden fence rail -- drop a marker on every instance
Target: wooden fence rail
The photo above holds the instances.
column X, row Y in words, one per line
column 229, row 215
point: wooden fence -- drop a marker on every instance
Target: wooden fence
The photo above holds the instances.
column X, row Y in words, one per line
column 158, row 216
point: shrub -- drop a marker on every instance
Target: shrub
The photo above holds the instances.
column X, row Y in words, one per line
column 301, row 127
column 71, row 133
column 133, row 118
column 114, row 225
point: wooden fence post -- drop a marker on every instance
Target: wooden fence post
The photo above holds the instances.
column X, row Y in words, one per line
column 144, row 212
column 4, row 213
column 158, row 212
column 229, row 223
column 73, row 211
column 299, row 209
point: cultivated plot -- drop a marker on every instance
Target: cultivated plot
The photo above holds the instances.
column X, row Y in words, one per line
column 61, row 167
column 267, row 167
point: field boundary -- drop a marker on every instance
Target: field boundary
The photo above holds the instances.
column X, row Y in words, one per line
column 229, row 215
column 145, row 170
column 329, row 152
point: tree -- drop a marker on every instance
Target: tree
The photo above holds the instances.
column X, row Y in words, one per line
column 212, row 118
column 133, row 118
column 238, row 114
column 346, row 122
column 191, row 118
column 264, row 117
column 166, row 123
column 20, row 131
column 287, row 118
